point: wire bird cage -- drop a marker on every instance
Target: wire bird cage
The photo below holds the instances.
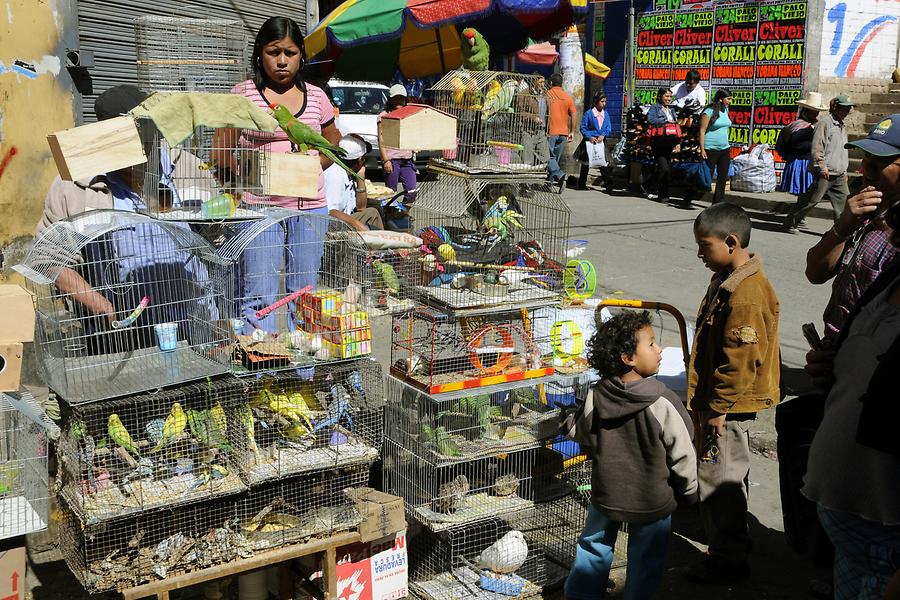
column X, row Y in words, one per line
column 124, row 304
column 176, row 54
column 440, row 353
column 501, row 120
column 322, row 418
column 296, row 291
column 25, row 431
column 460, row 562
column 151, row 546
column 490, row 241
column 393, row 276
column 151, row 452
column 207, row 177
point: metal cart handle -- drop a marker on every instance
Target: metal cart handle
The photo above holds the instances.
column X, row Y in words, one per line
column 651, row 305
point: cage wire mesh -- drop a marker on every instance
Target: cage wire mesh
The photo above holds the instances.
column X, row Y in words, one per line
column 392, row 277
column 25, row 432
column 440, row 353
column 124, row 304
column 296, row 291
column 501, row 120
column 490, row 240
column 322, row 418
column 176, row 54
column 151, row 452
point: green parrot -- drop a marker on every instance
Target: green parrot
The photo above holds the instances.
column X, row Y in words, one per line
column 303, row 136
column 172, row 427
column 388, row 275
column 118, row 434
column 444, row 443
column 476, row 53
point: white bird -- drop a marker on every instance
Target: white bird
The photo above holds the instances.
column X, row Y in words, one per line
column 505, row 555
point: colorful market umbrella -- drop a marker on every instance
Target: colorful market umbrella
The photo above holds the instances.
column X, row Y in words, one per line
column 370, row 39
column 544, row 54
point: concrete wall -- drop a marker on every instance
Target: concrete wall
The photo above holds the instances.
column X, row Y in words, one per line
column 859, row 38
column 35, row 99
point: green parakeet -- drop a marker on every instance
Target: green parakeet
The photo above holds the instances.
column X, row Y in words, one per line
column 444, row 443
column 245, row 416
column 305, row 138
column 205, row 430
column 118, row 434
column 388, row 275
column 476, row 53
column 172, row 428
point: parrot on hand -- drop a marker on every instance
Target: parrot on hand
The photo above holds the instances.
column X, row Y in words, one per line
column 118, row 434
column 305, row 138
column 476, row 53
column 172, row 427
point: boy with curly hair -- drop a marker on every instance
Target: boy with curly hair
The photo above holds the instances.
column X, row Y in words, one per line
column 638, row 435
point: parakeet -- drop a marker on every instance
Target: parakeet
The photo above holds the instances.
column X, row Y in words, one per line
column 505, row 555
column 118, row 434
column 479, row 407
column 388, row 275
column 444, row 443
column 476, row 53
column 305, row 138
column 245, row 416
column 506, row 485
column 172, row 428
column 499, row 98
column 205, row 430
column 354, row 382
column 451, row 495
column 154, row 429
column 447, row 252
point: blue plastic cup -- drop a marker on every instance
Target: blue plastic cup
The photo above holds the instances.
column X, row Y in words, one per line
column 166, row 336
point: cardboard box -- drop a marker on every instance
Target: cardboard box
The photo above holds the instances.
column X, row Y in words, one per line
column 418, row 127
column 376, row 570
column 16, row 314
column 97, row 148
column 291, row 174
column 10, row 367
column 12, row 574
column 382, row 514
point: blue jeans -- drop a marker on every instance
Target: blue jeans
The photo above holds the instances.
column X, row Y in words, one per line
column 293, row 247
column 647, row 543
column 556, row 143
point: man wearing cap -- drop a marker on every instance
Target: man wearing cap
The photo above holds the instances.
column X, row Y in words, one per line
column 398, row 164
column 347, row 198
column 828, row 164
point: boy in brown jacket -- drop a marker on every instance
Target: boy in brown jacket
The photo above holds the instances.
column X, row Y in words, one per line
column 734, row 372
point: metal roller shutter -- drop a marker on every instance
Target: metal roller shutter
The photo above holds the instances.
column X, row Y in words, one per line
column 106, row 27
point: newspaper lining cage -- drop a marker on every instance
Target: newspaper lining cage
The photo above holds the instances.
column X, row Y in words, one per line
column 151, row 452
column 490, row 240
column 325, row 417
column 440, row 353
column 176, row 54
column 296, row 291
column 151, row 546
column 25, row 431
column 501, row 120
column 124, row 304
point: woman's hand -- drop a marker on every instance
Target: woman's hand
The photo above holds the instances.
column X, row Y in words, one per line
column 388, row 167
column 820, row 366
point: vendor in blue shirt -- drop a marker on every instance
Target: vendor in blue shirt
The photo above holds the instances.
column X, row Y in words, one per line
column 714, row 147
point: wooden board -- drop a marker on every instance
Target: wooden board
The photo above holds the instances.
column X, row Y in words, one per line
column 291, row 174
column 10, row 367
column 97, row 148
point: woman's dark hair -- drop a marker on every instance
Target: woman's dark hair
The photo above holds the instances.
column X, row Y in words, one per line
column 716, row 104
column 692, row 75
column 274, row 29
column 614, row 338
column 597, row 97
column 660, row 93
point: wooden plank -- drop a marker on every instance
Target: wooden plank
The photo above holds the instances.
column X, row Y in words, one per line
column 329, row 569
column 96, row 148
column 291, row 174
column 259, row 561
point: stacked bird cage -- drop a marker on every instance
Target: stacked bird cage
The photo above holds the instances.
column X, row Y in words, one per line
column 501, row 120
column 296, row 292
column 125, row 304
column 176, row 54
column 394, row 275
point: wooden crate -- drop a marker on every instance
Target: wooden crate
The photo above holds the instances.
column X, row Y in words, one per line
column 97, row 148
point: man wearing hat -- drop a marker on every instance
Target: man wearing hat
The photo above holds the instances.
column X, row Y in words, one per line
column 347, row 199
column 828, row 164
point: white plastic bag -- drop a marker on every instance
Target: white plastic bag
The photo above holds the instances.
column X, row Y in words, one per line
column 596, row 153
column 754, row 171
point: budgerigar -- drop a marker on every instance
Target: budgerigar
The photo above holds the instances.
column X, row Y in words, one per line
column 172, row 428
column 245, row 415
column 499, row 98
column 505, row 555
column 451, row 495
column 205, row 430
column 476, row 53
column 305, row 138
column 118, row 434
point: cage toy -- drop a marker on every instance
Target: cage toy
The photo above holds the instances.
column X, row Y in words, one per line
column 316, row 419
column 176, row 54
column 501, row 120
column 124, row 304
column 296, row 291
column 152, row 451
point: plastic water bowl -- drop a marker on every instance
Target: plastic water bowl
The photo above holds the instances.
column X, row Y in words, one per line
column 508, row 585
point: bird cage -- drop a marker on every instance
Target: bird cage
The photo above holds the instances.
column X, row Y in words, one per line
column 440, row 353
column 206, row 178
column 501, row 121
column 491, row 240
column 321, row 418
column 461, row 562
column 176, row 54
column 296, row 291
column 151, row 452
column 25, row 431
column 124, row 304
column 393, row 276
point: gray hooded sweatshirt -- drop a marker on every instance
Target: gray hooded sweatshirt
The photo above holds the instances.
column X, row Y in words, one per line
column 639, row 435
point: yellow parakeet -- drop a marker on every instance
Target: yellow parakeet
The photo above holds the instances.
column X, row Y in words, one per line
column 172, row 428
column 118, row 434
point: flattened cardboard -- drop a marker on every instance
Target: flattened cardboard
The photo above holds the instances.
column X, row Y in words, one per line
column 382, row 514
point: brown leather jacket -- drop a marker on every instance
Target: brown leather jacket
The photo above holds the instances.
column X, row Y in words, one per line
column 736, row 361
